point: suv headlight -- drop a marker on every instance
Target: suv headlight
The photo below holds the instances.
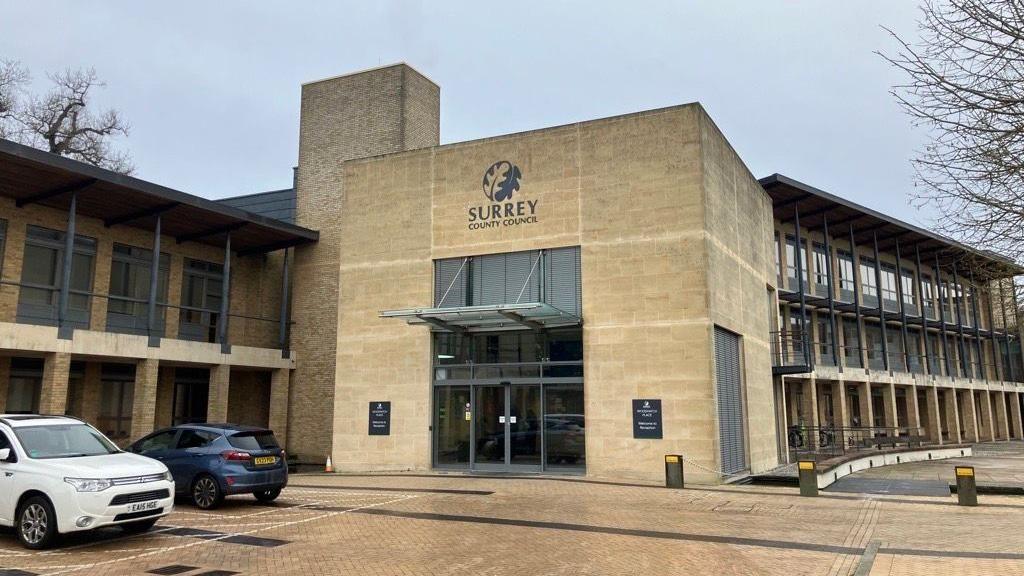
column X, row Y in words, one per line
column 90, row 484
column 168, row 477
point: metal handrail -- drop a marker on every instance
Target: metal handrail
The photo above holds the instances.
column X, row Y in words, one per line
column 821, row 442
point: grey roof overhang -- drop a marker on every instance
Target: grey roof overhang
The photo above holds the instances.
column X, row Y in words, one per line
column 28, row 175
column 535, row 315
column 815, row 205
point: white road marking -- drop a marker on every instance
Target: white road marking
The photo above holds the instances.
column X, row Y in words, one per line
column 201, row 542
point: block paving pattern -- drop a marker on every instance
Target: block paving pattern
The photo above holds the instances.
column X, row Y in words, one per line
column 448, row 524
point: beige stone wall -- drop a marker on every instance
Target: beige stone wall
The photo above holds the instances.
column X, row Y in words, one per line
column 378, row 111
column 741, row 270
column 633, row 193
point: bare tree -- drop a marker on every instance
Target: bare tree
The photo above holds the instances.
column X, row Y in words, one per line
column 965, row 87
column 62, row 121
column 12, row 78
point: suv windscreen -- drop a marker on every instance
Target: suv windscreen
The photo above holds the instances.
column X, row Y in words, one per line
column 254, row 441
column 63, row 441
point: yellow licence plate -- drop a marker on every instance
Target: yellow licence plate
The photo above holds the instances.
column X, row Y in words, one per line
column 263, row 460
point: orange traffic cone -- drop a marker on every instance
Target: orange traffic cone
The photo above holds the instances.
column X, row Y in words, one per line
column 328, row 467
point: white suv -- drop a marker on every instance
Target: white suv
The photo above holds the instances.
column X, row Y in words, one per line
column 59, row 475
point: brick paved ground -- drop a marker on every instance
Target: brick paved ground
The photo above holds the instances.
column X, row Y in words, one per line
column 369, row 525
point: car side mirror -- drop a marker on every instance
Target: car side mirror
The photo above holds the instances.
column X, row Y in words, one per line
column 5, row 454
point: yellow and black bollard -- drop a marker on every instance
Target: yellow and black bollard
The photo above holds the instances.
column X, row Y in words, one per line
column 673, row 471
column 808, row 473
column 966, row 488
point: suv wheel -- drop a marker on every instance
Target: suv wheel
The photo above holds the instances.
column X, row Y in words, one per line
column 37, row 523
column 206, row 493
column 267, row 495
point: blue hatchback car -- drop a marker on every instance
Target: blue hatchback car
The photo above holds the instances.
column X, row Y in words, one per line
column 211, row 461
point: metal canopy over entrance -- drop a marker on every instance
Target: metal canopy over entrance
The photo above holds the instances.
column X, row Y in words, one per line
column 459, row 319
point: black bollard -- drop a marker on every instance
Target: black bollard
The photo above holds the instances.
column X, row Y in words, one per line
column 673, row 471
column 966, row 488
column 808, row 472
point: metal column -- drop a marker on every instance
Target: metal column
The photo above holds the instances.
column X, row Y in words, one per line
column 903, row 312
column 154, row 276
column 282, row 335
column 856, row 298
column 942, row 318
column 992, row 331
column 65, row 330
column 831, row 299
column 977, row 325
column 881, row 305
column 924, row 316
column 1006, row 331
column 808, row 354
column 225, row 298
column 957, row 301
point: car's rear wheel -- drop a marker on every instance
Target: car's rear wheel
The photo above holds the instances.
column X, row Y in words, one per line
column 37, row 523
column 206, row 493
column 138, row 527
column 267, row 495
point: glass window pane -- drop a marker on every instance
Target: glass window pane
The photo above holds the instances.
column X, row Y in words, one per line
column 451, row 425
column 564, row 427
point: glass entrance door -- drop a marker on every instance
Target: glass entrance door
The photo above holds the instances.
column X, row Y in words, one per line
column 490, row 427
column 507, row 427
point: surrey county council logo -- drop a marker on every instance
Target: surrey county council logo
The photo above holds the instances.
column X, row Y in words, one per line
column 501, row 180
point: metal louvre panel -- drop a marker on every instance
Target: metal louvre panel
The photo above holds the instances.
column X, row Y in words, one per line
column 444, row 272
column 489, row 279
column 518, row 268
column 730, row 401
column 562, row 279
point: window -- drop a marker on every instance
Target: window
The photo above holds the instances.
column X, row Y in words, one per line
column 928, row 297
column 791, row 261
column 914, row 350
column 778, row 258
column 200, row 300
column 194, row 439
column 934, row 354
column 824, row 338
column 63, row 441
column 909, row 292
column 889, row 288
column 41, row 273
column 117, row 394
column 868, row 284
column 259, row 440
column 509, row 278
column 946, row 295
column 25, row 386
column 846, row 276
column 851, row 343
column 156, row 442
column 821, row 280
column 873, row 344
column 128, row 306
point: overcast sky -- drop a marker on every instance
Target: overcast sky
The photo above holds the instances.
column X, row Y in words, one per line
column 212, row 88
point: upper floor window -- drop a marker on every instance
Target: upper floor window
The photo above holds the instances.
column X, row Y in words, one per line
column 791, row 261
column 909, row 291
column 846, row 276
column 928, row 296
column 130, row 276
column 41, row 277
column 868, row 284
column 778, row 257
column 820, row 270
column 551, row 276
column 202, row 283
column 889, row 294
